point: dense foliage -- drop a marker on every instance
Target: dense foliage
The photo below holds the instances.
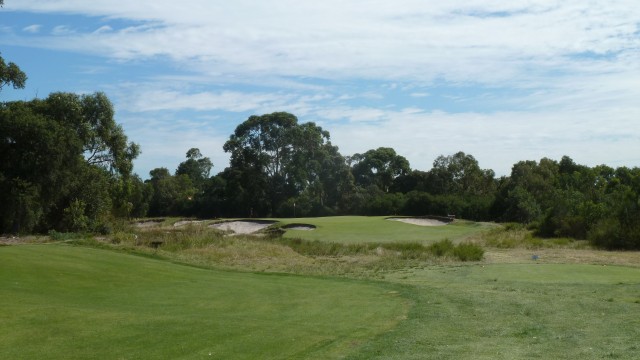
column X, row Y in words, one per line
column 64, row 164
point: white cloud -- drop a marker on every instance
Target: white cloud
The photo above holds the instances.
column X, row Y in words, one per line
column 157, row 100
column 62, row 30
column 103, row 29
column 488, row 41
column 497, row 140
column 570, row 69
column 33, row 29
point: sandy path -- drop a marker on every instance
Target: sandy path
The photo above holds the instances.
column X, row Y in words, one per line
column 420, row 222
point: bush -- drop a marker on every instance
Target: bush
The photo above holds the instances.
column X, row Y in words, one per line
column 441, row 248
column 65, row 236
column 407, row 250
column 468, row 252
column 74, row 218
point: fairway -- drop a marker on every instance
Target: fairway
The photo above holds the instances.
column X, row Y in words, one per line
column 63, row 302
column 517, row 311
column 355, row 229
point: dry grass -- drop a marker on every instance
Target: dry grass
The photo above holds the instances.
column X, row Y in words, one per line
column 562, row 256
column 197, row 244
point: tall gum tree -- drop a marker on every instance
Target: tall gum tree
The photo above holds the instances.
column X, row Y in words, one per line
column 275, row 159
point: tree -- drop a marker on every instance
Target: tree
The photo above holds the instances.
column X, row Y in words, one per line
column 46, row 168
column 91, row 117
column 274, row 160
column 196, row 167
column 460, row 174
column 10, row 74
column 529, row 192
column 379, row 167
column 171, row 195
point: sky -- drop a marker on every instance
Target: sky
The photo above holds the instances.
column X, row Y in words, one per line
column 501, row 80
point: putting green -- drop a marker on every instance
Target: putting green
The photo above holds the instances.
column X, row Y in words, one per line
column 357, row 229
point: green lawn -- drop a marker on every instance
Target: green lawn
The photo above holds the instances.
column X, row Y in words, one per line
column 63, row 302
column 521, row 311
column 354, row 229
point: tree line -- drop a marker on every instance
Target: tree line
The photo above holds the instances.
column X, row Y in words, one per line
column 65, row 164
column 282, row 168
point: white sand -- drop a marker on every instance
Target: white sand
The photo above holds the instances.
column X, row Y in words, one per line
column 146, row 224
column 301, row 228
column 187, row 222
column 420, row 221
column 241, row 227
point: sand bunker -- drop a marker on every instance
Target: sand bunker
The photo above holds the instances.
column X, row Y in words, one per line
column 242, row 227
column 301, row 227
column 420, row 221
column 148, row 223
column 187, row 222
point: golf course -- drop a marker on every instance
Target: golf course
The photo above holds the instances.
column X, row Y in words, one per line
column 189, row 290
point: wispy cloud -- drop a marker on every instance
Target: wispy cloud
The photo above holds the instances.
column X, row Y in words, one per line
column 460, row 41
column 157, row 100
column 33, row 29
column 103, row 29
column 531, row 78
column 62, row 30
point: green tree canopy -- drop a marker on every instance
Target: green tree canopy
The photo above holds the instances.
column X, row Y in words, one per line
column 47, row 166
column 10, row 74
column 196, row 167
column 379, row 167
column 461, row 174
column 275, row 159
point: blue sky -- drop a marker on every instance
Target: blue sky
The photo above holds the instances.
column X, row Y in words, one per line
column 503, row 81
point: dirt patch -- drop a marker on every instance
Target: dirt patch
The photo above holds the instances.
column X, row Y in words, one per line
column 242, row 226
column 420, row 221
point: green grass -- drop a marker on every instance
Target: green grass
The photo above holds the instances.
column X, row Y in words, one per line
column 521, row 311
column 61, row 301
column 355, row 229
column 64, row 302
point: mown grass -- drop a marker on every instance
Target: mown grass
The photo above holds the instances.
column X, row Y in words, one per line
column 64, row 302
column 506, row 306
column 357, row 229
column 516, row 311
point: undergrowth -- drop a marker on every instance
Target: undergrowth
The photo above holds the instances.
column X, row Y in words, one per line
column 200, row 237
column 514, row 235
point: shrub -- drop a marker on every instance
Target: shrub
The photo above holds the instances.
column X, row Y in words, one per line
column 407, row 250
column 74, row 218
column 441, row 248
column 65, row 236
column 468, row 252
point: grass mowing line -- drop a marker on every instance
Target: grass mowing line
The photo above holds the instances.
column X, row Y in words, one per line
column 72, row 302
column 516, row 312
column 355, row 229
